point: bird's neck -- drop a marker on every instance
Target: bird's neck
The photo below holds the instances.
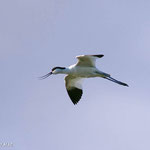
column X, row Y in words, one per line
column 65, row 71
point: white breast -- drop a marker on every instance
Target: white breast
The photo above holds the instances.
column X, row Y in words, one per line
column 84, row 72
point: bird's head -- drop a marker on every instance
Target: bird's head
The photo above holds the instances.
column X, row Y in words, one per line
column 55, row 70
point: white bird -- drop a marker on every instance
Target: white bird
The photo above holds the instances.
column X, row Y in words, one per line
column 84, row 68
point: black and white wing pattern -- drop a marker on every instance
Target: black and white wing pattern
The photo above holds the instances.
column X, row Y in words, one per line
column 87, row 60
column 74, row 88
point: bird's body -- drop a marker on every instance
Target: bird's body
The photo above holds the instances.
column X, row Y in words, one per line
column 84, row 72
column 84, row 68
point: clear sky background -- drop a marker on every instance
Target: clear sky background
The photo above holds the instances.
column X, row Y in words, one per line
column 37, row 35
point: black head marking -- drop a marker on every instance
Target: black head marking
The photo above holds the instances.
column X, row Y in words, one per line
column 58, row 68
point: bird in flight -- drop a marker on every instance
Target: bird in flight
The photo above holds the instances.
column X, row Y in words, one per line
column 84, row 68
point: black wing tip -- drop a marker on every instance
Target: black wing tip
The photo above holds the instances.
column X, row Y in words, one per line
column 75, row 95
column 75, row 103
column 99, row 56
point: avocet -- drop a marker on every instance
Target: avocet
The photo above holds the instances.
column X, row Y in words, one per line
column 84, row 68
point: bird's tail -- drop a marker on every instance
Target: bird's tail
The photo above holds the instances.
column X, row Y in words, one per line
column 116, row 81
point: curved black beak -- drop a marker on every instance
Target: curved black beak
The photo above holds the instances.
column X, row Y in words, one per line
column 45, row 76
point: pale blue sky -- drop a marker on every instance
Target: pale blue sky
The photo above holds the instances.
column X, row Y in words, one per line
column 37, row 35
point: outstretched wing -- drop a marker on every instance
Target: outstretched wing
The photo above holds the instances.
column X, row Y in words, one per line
column 87, row 60
column 74, row 88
